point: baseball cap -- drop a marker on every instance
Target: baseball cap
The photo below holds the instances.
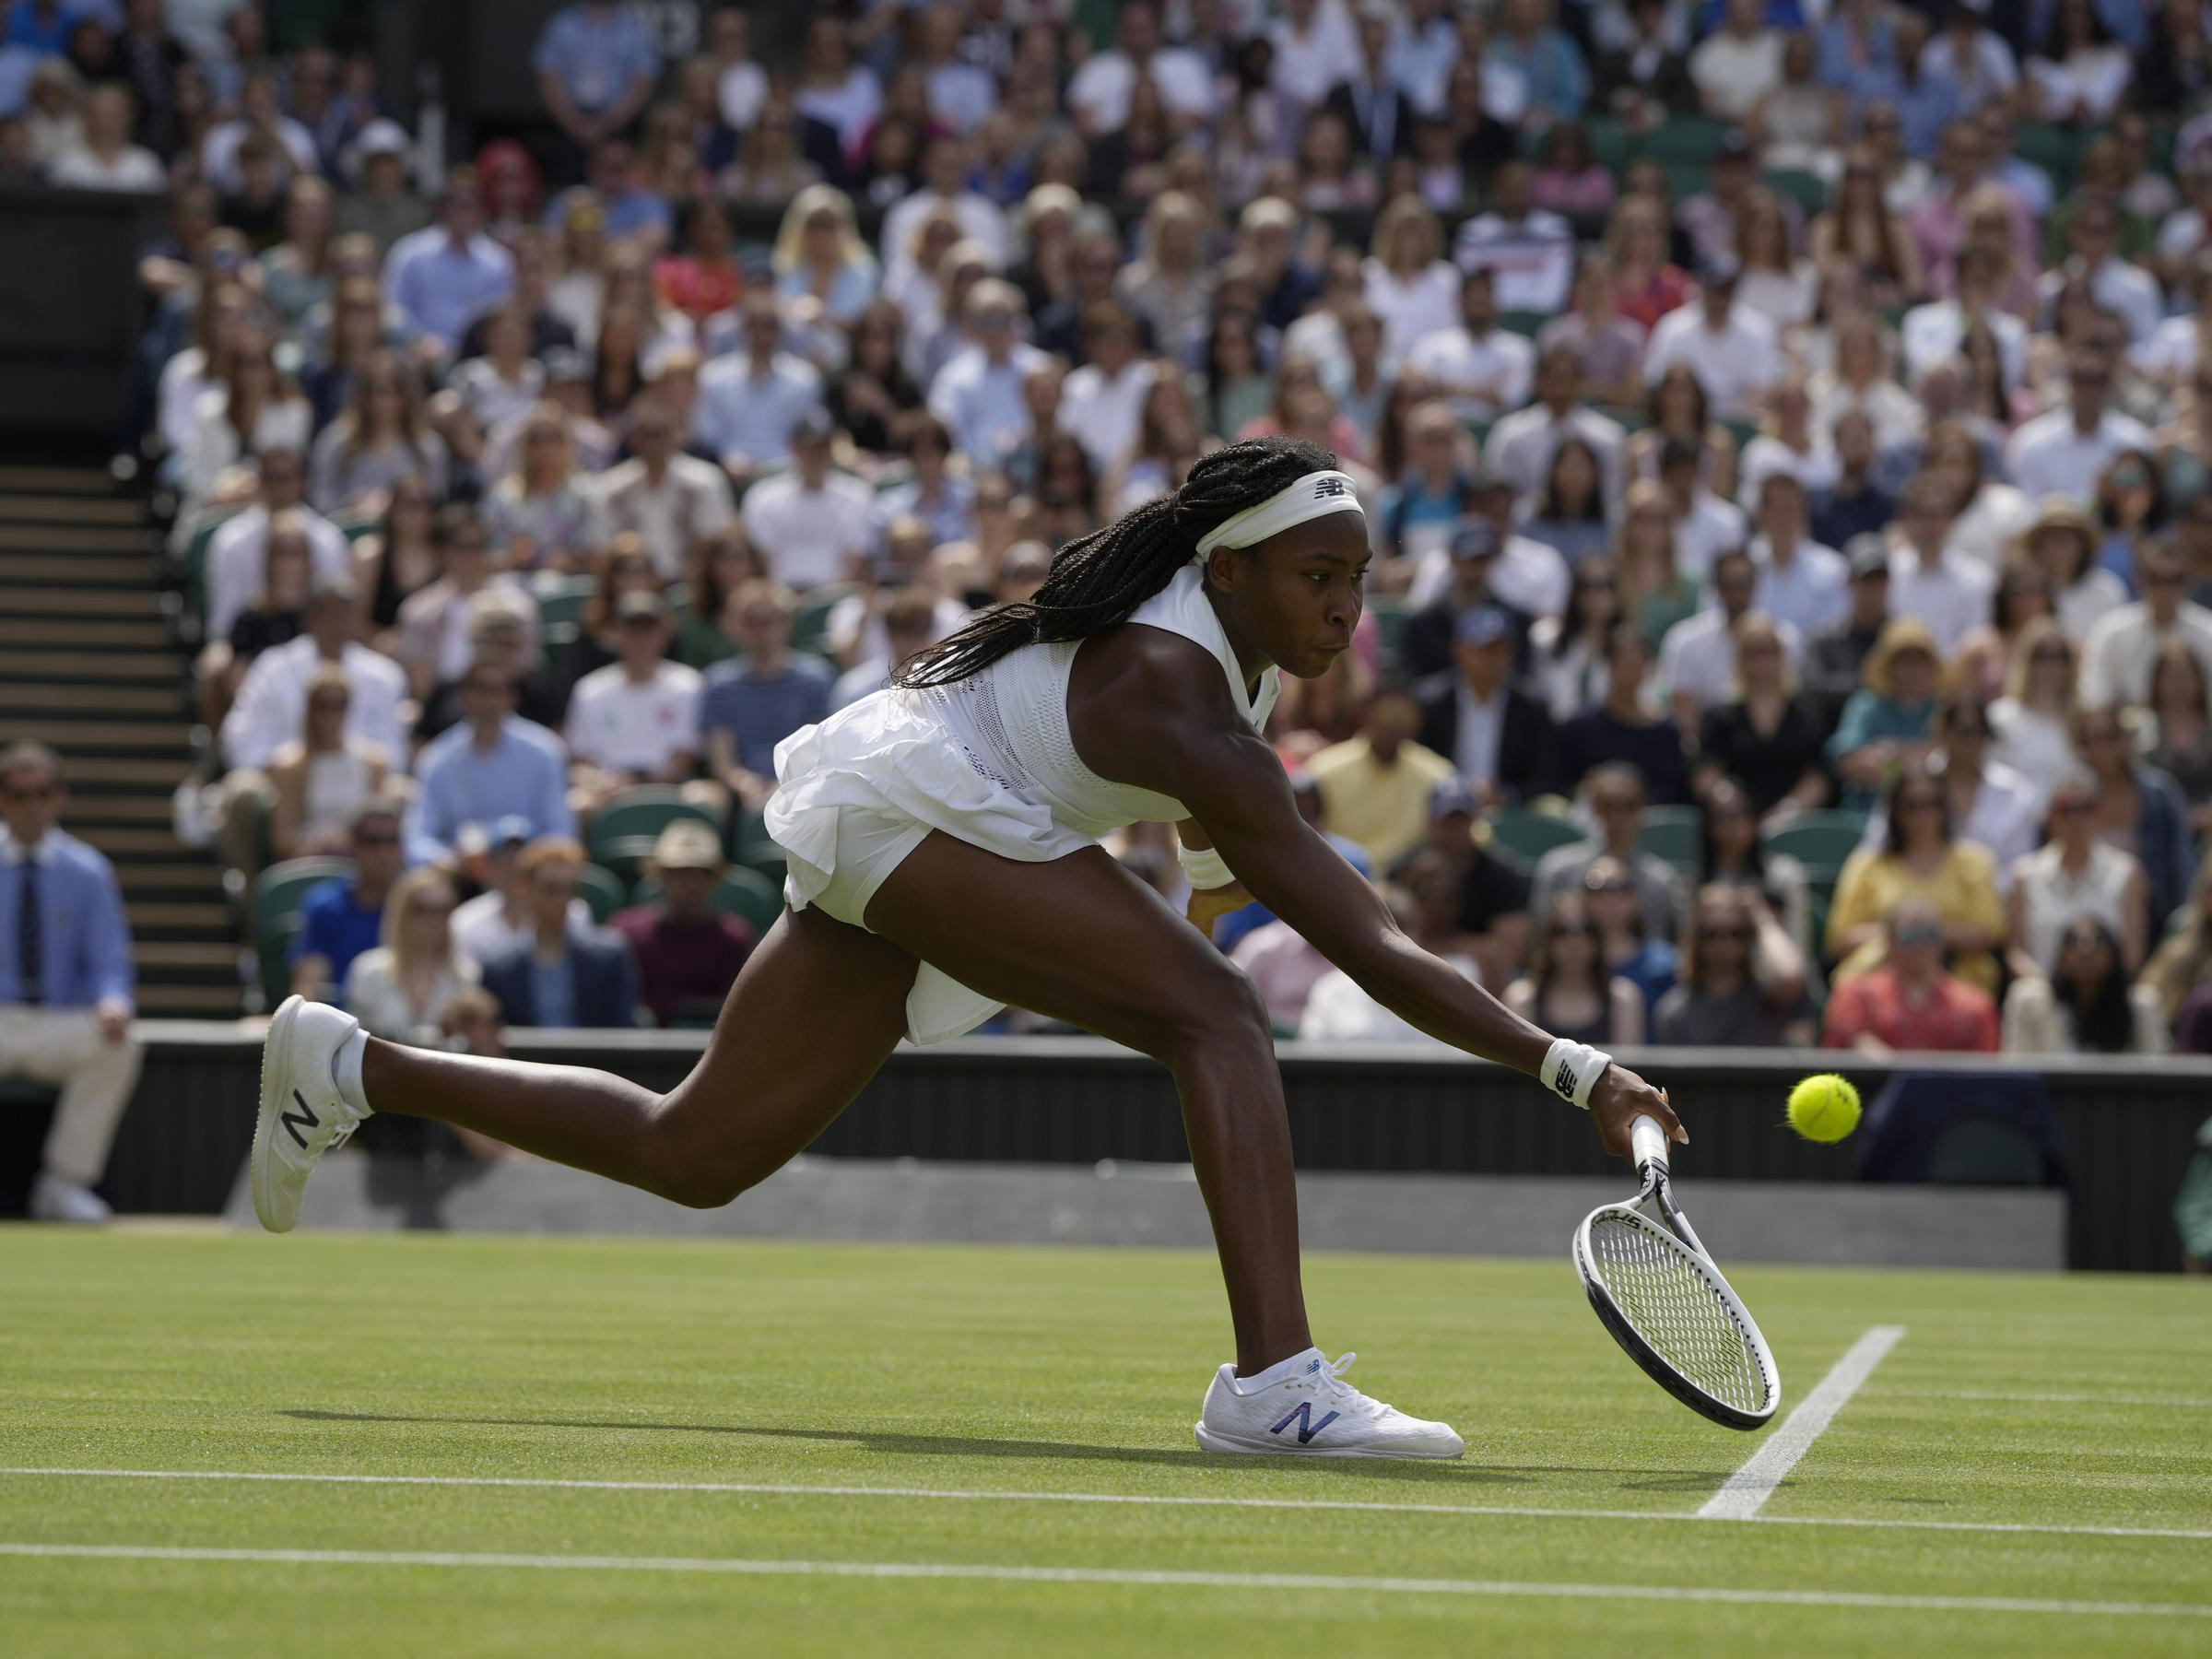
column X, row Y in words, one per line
column 640, row 602
column 813, row 427
column 1867, row 554
column 1450, row 797
column 688, row 845
column 1720, row 269
column 1734, row 145
column 511, row 828
column 1483, row 625
column 382, row 138
column 1474, row 539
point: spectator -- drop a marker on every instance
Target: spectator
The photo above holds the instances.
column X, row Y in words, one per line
column 498, row 920
column 1919, row 857
column 1497, row 738
column 1731, row 351
column 342, row 917
column 323, row 777
column 1991, row 803
column 1697, row 663
column 2084, row 1006
column 2076, row 873
column 688, row 953
column 106, row 158
column 402, row 988
column 1705, row 525
column 1624, row 727
column 1570, row 514
column 1908, row 1003
column 380, row 439
column 1739, row 64
column 384, row 209
column 750, row 401
column 1732, row 853
column 595, row 64
column 1375, row 786
column 1492, row 922
column 2122, row 647
column 675, row 502
column 637, row 719
column 2032, row 720
column 564, row 976
column 1889, row 720
column 1742, row 979
column 1800, row 581
column 755, row 701
column 1568, row 674
column 1607, row 347
column 2139, row 809
column 65, row 983
column 1930, row 580
column 1678, row 418
column 1770, row 736
column 1655, row 591
column 492, row 768
column 908, row 622
column 812, row 524
column 1479, row 368
column 1102, row 402
column 258, row 411
column 1615, row 797
column 272, row 700
column 979, row 394
column 2065, row 451
column 2182, row 962
column 435, row 640
column 1629, row 951
column 442, row 277
column 2174, row 729
column 1523, row 445
column 1984, row 658
column 1567, row 989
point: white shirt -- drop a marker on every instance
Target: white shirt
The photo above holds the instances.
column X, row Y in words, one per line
column 1952, row 596
column 2122, row 648
column 2128, row 291
column 1098, row 95
column 1697, row 656
column 271, row 708
column 2007, row 817
column 1530, row 260
column 2032, row 743
column 1812, row 593
column 1527, row 574
column 2048, row 456
column 1307, row 65
column 1931, row 332
column 739, row 93
column 982, row 405
column 1521, row 444
column 283, row 423
column 1993, row 71
column 1709, row 529
column 618, row 723
column 809, row 537
column 2096, row 595
column 1411, row 307
column 1477, row 377
column 237, row 562
column 481, row 930
column 980, row 217
column 2171, row 352
column 689, row 505
column 1734, row 73
column 1103, row 414
column 133, row 169
column 1767, row 456
column 1738, row 364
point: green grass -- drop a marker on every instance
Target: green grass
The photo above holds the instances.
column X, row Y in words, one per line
column 1042, row 1370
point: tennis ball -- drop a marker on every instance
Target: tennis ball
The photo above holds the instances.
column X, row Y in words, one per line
column 1825, row 1108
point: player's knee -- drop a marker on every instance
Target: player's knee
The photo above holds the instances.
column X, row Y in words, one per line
column 1213, row 1002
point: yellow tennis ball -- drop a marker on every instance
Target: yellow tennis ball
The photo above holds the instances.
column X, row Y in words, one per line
column 1824, row 1108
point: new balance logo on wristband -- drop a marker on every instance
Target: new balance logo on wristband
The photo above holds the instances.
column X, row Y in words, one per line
column 1564, row 1082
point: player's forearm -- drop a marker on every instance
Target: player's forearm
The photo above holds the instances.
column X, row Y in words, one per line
column 1434, row 997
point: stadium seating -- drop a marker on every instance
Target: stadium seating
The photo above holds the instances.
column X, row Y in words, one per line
column 749, row 895
column 602, row 891
column 1529, row 835
column 1820, row 842
column 1676, row 834
column 623, row 834
column 277, row 892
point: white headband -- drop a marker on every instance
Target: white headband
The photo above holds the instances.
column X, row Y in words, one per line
column 1316, row 495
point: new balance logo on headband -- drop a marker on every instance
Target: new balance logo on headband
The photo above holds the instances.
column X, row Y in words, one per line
column 1330, row 484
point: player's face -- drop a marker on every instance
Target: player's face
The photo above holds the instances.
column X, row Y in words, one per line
column 1296, row 597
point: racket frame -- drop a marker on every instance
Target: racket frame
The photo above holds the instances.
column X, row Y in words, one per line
column 1675, row 1234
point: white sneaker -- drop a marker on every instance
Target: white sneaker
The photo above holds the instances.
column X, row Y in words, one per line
column 302, row 1114
column 1313, row 1412
column 55, row 1199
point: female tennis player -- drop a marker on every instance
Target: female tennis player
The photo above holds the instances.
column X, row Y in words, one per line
column 942, row 839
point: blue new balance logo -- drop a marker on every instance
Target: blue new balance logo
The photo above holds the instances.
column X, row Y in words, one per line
column 1307, row 1427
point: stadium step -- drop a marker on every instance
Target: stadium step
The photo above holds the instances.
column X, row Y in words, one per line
column 90, row 667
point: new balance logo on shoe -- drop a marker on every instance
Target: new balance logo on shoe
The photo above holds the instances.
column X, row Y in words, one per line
column 1307, row 1427
column 304, row 1118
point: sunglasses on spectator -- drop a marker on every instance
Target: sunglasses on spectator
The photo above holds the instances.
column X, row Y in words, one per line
column 376, row 837
column 1920, row 933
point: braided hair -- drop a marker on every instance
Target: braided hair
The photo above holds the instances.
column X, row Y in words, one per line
column 1098, row 581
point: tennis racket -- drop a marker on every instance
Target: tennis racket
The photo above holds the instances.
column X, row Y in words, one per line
column 1659, row 1294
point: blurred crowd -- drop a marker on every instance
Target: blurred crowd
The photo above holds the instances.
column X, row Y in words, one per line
column 1782, row 428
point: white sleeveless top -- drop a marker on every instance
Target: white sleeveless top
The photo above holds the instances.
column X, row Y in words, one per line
column 1011, row 720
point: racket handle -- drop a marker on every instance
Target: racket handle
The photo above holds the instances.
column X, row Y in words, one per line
column 1647, row 1143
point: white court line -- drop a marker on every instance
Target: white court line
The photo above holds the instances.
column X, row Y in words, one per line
column 2074, row 1399
column 1747, row 1490
column 1138, row 1499
column 1112, row 1575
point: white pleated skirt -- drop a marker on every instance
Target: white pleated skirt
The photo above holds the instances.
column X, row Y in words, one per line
column 857, row 792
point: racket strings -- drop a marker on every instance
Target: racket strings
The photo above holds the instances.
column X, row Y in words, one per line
column 1674, row 1308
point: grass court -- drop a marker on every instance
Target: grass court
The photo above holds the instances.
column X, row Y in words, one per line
column 843, row 1449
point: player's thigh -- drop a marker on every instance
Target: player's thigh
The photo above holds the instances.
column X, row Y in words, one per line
column 811, row 1017
column 1078, row 939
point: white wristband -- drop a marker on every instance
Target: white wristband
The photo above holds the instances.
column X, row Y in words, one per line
column 1571, row 1070
column 1205, row 868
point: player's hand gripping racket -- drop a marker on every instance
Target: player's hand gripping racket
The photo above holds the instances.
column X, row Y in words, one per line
column 1664, row 1301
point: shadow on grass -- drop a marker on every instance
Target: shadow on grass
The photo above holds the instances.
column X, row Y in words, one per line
column 949, row 1445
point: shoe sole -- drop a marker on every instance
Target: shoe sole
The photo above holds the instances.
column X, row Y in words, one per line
column 1209, row 1442
column 276, row 1066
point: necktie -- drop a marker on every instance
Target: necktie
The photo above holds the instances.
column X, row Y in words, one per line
column 30, row 944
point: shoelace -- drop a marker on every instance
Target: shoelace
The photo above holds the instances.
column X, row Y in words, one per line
column 1330, row 1375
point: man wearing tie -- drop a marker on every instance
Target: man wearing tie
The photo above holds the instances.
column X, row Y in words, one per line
column 1368, row 100
column 65, row 982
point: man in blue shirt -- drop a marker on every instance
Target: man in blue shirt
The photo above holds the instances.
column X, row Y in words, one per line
column 565, row 975
column 445, row 277
column 492, row 765
column 755, row 701
column 66, row 982
column 596, row 65
column 344, row 916
column 750, row 401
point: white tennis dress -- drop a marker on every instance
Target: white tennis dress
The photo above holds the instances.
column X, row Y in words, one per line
column 988, row 759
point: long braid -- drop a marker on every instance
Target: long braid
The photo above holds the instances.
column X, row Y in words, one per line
column 1098, row 581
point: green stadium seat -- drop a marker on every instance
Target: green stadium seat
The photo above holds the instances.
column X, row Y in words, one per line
column 1609, row 143
column 1695, row 138
column 274, row 915
column 748, row 895
column 1524, row 323
column 810, row 628
column 1809, row 190
column 1389, row 612
column 627, row 826
column 603, row 891
column 2052, row 148
column 1819, row 841
column 1743, row 432
column 1529, row 835
column 1676, row 834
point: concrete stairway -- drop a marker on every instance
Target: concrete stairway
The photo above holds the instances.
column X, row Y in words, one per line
column 88, row 666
